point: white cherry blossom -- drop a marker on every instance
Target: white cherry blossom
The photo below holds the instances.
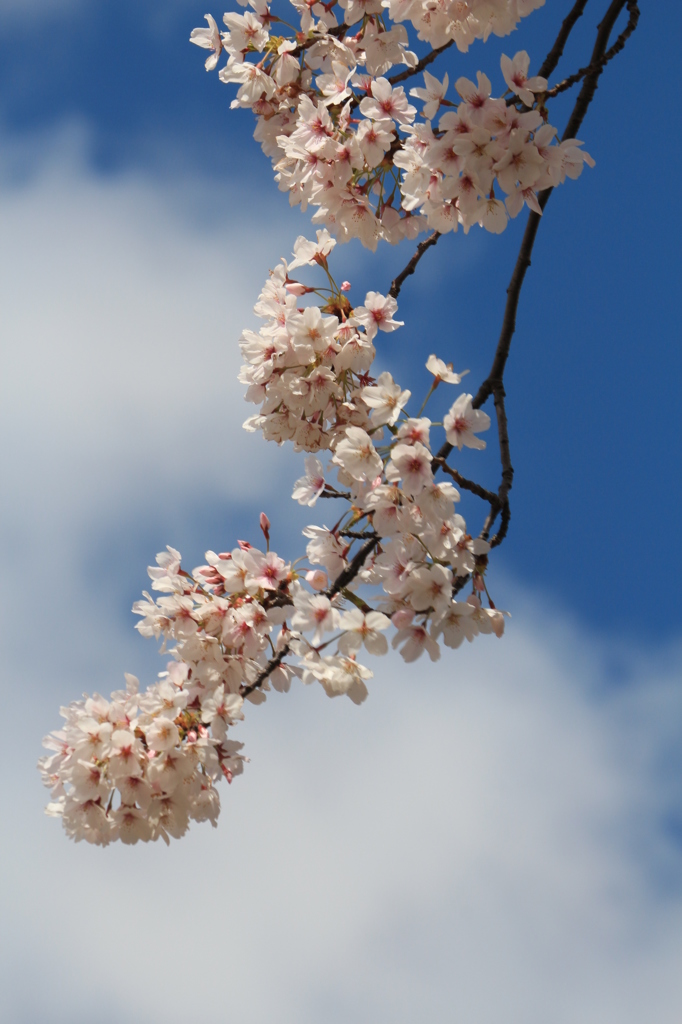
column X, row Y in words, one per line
column 443, row 371
column 208, row 39
column 308, row 488
column 463, row 422
column 516, row 76
column 386, row 399
column 363, row 629
column 356, row 454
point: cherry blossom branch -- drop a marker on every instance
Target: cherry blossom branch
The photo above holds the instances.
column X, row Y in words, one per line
column 468, row 485
column 597, row 63
column 398, row 282
column 274, row 663
column 352, row 569
column 337, row 31
column 493, row 384
column 339, row 584
column 572, row 80
column 557, row 51
column 507, row 477
column 308, row 368
column 420, row 65
column 585, row 97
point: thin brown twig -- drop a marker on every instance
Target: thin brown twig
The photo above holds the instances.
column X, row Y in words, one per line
column 468, row 485
column 412, row 265
column 556, row 53
column 273, row 664
column 507, row 469
column 337, row 30
column 603, row 61
column 420, row 65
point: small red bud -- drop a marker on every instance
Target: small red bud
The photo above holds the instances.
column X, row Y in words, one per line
column 265, row 526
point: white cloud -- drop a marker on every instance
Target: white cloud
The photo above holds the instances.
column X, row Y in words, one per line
column 486, row 840
column 483, row 841
column 121, row 311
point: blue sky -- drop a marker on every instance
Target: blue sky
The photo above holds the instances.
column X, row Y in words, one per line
column 517, row 817
column 595, row 364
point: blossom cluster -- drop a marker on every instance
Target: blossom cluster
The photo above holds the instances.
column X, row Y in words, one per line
column 306, row 369
column 345, row 139
column 140, row 766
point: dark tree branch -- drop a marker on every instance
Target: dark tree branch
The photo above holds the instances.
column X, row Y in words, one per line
column 598, row 61
column 468, row 485
column 412, row 265
column 603, row 61
column 556, row 53
column 494, row 382
column 267, row 671
column 507, row 468
column 353, row 568
column 337, row 31
column 420, row 65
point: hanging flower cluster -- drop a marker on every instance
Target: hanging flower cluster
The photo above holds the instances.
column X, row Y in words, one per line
column 345, row 139
column 139, row 767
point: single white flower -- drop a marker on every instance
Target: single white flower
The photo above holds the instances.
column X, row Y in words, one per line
column 377, row 313
column 308, row 488
column 386, row 400
column 463, row 422
column 432, row 94
column 314, row 611
column 208, row 39
column 162, row 734
column 413, row 463
column 356, row 454
column 516, row 76
column 363, row 629
column 443, row 371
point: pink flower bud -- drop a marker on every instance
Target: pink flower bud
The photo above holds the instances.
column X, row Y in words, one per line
column 478, row 583
column 345, row 287
column 296, row 288
column 402, row 618
column 317, row 579
column 265, row 525
column 244, row 545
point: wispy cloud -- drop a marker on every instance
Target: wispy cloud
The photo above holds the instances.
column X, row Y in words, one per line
column 122, row 304
column 491, row 839
column 483, row 841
